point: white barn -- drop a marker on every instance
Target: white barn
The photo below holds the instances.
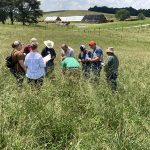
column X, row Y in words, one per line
column 65, row 19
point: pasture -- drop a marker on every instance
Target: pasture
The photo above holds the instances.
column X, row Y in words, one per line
column 76, row 114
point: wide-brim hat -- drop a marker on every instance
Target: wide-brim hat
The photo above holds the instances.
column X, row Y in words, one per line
column 49, row 44
column 110, row 50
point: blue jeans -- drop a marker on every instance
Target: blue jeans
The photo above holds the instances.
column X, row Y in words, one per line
column 96, row 69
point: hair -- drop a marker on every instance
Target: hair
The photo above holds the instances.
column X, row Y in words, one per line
column 34, row 46
column 64, row 45
column 14, row 46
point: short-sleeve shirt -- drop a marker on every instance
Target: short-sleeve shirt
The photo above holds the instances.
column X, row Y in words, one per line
column 68, row 53
column 98, row 52
column 18, row 55
column 70, row 62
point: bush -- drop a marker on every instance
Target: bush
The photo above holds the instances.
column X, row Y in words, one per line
column 122, row 14
column 141, row 16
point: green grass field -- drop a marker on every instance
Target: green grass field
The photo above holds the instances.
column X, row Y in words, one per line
column 76, row 114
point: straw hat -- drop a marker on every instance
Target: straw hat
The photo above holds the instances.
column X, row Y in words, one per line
column 110, row 50
column 49, row 44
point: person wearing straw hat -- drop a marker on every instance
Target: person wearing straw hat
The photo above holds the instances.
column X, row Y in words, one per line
column 49, row 50
column 111, row 68
column 28, row 47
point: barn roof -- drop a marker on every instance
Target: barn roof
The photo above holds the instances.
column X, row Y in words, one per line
column 69, row 18
column 95, row 18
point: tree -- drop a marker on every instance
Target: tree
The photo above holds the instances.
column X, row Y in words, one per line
column 3, row 11
column 3, row 15
column 28, row 11
column 122, row 14
column 141, row 16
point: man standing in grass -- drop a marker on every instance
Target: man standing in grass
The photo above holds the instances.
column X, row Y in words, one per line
column 111, row 68
column 85, row 57
column 70, row 67
column 66, row 51
column 96, row 60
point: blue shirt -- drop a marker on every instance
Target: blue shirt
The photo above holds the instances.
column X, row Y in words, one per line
column 35, row 65
column 97, row 53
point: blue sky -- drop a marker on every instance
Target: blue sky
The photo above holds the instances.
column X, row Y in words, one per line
column 52, row 5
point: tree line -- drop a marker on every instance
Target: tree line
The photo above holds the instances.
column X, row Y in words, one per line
column 25, row 11
column 132, row 11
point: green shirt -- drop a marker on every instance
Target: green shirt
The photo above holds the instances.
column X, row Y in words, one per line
column 112, row 64
column 70, row 62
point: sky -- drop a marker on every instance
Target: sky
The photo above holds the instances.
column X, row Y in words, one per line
column 53, row 5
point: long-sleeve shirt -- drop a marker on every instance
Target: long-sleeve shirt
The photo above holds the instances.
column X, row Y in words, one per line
column 112, row 64
column 35, row 65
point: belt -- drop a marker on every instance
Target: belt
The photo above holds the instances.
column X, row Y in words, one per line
column 73, row 68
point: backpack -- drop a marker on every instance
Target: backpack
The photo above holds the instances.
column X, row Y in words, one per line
column 10, row 63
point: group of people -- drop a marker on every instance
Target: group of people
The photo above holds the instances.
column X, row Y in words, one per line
column 35, row 66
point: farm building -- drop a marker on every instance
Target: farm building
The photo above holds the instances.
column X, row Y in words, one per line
column 100, row 18
column 64, row 19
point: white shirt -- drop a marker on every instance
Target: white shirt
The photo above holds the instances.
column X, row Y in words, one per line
column 35, row 65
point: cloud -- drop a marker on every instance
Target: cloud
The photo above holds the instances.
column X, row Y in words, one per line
column 52, row 5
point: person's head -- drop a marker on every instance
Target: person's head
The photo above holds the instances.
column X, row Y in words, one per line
column 82, row 48
column 110, row 51
column 64, row 47
column 17, row 45
column 34, row 47
column 49, row 44
column 34, row 41
column 92, row 44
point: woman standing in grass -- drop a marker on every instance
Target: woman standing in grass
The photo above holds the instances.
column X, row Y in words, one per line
column 18, row 57
column 35, row 67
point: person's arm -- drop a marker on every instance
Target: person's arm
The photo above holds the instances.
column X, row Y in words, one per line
column 20, row 58
column 22, row 64
column 98, row 56
column 72, row 53
column 62, row 55
column 53, row 54
column 79, row 58
column 42, row 63
column 43, row 53
column 108, row 63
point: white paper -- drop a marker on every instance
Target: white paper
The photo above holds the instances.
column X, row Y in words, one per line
column 47, row 58
column 103, row 64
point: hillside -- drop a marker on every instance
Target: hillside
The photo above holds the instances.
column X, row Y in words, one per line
column 73, row 13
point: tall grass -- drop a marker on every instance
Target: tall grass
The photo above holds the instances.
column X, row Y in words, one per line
column 76, row 114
